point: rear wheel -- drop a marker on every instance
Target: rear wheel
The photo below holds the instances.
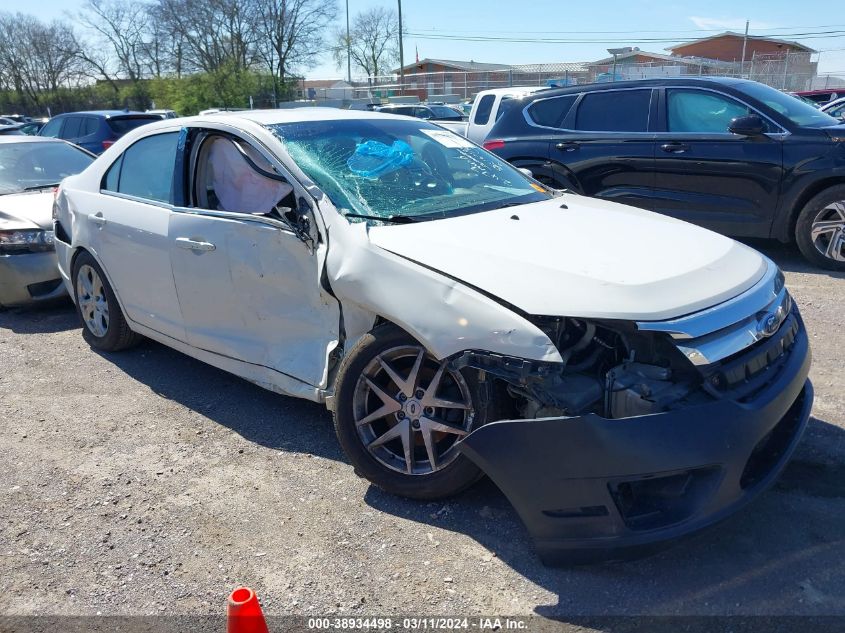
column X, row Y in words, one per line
column 400, row 413
column 820, row 229
column 103, row 323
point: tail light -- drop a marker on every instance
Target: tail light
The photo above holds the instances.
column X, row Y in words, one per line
column 107, row 144
column 492, row 146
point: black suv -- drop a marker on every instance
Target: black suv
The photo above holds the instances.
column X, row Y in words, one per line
column 732, row 155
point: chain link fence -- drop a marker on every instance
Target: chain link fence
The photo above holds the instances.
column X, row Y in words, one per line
column 790, row 72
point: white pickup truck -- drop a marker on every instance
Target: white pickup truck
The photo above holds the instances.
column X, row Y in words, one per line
column 486, row 110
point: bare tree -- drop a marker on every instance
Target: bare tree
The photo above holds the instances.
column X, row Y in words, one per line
column 37, row 57
column 373, row 42
column 291, row 34
column 121, row 26
column 215, row 34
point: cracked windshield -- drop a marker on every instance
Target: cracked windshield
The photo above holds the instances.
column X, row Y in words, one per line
column 387, row 169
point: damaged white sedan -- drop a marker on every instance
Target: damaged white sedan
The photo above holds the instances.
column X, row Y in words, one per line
column 624, row 378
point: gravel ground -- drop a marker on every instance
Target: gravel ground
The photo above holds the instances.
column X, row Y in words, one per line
column 146, row 482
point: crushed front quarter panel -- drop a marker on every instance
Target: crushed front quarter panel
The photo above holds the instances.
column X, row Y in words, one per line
column 443, row 314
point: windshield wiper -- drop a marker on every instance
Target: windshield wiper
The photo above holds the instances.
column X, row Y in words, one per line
column 394, row 219
column 37, row 187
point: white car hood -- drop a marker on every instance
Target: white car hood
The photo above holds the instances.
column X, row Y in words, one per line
column 593, row 259
column 28, row 210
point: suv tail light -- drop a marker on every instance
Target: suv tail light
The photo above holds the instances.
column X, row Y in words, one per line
column 107, row 143
column 493, row 145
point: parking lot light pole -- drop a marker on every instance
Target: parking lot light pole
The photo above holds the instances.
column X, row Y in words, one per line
column 615, row 52
column 401, row 53
column 348, row 48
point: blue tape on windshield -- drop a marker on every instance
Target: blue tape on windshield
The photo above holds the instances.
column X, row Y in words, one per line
column 373, row 159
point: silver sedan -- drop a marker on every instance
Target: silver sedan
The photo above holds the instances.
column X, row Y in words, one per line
column 30, row 168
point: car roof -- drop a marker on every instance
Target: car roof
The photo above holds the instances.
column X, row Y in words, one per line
column 105, row 113
column 515, row 90
column 643, row 83
column 290, row 115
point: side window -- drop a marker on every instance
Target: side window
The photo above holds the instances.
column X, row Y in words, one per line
column 485, row 107
column 422, row 113
column 71, row 128
column 112, row 177
column 226, row 181
column 89, row 126
column 147, row 167
column 614, row 111
column 52, row 128
column 551, row 112
column 701, row 111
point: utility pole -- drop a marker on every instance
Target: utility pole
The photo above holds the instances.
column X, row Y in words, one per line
column 348, row 48
column 744, row 42
column 401, row 53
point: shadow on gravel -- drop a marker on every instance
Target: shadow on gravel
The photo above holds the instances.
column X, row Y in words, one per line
column 784, row 554
column 789, row 258
column 58, row 316
column 260, row 416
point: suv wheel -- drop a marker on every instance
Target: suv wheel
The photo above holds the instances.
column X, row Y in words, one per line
column 820, row 229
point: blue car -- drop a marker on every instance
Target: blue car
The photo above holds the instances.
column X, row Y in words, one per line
column 95, row 130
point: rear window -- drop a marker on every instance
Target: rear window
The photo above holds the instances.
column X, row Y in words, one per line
column 122, row 125
column 482, row 112
column 551, row 112
column 614, row 111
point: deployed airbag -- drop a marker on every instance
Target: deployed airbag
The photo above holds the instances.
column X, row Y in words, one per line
column 238, row 186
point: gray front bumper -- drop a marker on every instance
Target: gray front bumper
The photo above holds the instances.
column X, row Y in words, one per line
column 28, row 278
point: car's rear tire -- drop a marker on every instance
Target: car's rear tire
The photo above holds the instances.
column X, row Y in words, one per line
column 103, row 323
column 408, row 450
column 820, row 229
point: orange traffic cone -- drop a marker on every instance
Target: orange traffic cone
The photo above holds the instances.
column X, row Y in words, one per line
column 244, row 613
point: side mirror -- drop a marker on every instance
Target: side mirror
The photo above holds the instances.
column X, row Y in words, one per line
column 749, row 125
column 526, row 171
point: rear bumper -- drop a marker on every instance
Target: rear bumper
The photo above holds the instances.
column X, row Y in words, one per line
column 590, row 488
column 29, row 278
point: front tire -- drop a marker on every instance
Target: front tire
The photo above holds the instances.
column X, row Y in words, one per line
column 103, row 324
column 820, row 229
column 399, row 414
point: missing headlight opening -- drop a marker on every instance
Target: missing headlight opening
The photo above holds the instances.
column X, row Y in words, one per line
column 610, row 370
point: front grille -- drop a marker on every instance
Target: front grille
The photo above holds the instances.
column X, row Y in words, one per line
column 743, row 375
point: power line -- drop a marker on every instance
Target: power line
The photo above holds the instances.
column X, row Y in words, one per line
column 722, row 30
column 630, row 39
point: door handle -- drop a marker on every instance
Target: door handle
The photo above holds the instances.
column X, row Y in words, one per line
column 569, row 146
column 674, row 148
column 194, row 245
column 97, row 219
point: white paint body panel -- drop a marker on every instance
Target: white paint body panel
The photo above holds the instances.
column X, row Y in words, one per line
column 478, row 133
column 255, row 305
column 595, row 259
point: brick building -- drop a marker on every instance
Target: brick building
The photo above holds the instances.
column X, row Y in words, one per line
column 727, row 47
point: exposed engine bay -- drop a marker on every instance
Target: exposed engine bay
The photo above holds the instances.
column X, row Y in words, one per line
column 610, row 369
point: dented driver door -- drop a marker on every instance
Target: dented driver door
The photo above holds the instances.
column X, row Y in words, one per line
column 249, row 289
